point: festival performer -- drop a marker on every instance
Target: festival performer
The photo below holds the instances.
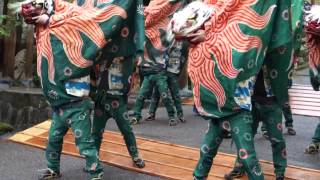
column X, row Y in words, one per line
column 68, row 39
column 266, row 109
column 153, row 65
column 297, row 30
column 238, row 37
column 113, row 81
column 177, row 54
column 312, row 30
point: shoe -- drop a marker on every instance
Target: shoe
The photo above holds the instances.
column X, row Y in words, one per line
column 134, row 121
column 313, row 148
column 48, row 174
column 172, row 122
column 236, row 172
column 279, row 177
column 99, row 177
column 181, row 119
column 150, row 118
column 265, row 134
column 291, row 131
column 85, row 170
column 138, row 162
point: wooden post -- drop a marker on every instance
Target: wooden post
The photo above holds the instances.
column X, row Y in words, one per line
column 30, row 52
column 9, row 54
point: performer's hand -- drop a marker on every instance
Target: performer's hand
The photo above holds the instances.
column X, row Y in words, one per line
column 197, row 37
column 42, row 19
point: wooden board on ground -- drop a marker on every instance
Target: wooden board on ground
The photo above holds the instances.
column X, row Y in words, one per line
column 163, row 159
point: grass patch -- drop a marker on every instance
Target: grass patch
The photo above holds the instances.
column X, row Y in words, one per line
column 5, row 128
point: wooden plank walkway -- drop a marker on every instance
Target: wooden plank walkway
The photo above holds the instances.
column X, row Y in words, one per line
column 162, row 159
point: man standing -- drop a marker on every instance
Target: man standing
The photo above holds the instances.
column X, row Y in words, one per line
column 178, row 54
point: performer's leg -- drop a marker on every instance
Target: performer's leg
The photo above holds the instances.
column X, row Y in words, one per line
column 145, row 90
column 209, row 149
column 55, row 140
column 239, row 170
column 314, row 146
column 162, row 86
column 120, row 114
column 101, row 116
column 286, row 109
column 153, row 105
column 174, row 89
column 242, row 134
column 271, row 115
column 81, row 123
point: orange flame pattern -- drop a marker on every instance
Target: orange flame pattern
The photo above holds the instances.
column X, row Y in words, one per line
column 156, row 18
column 66, row 24
column 223, row 35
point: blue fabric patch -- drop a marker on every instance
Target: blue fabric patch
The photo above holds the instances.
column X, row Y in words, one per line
column 77, row 85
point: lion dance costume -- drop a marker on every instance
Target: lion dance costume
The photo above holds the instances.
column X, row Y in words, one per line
column 312, row 29
column 240, row 37
column 67, row 47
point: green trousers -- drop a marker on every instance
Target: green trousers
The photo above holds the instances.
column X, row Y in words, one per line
column 78, row 116
column 286, row 110
column 159, row 81
column 316, row 136
column 114, row 107
column 240, row 126
column 174, row 89
column 271, row 116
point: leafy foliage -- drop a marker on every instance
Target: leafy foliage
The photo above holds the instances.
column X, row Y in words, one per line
column 7, row 23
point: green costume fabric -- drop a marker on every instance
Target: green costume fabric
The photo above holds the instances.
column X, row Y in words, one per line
column 174, row 90
column 159, row 81
column 241, row 126
column 116, row 108
column 234, row 52
column 154, row 63
column 178, row 54
column 78, row 117
column 316, row 136
column 287, row 113
column 111, row 101
column 157, row 17
column 297, row 23
column 271, row 116
column 66, row 50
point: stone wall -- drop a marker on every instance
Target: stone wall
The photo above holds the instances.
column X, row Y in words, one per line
column 23, row 108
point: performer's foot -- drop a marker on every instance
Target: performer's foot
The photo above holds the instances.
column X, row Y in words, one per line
column 138, row 162
column 134, row 121
column 291, row 131
column 265, row 134
column 313, row 148
column 181, row 118
column 48, row 174
column 99, row 177
column 236, row 172
column 172, row 122
column 150, row 118
column 279, row 177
